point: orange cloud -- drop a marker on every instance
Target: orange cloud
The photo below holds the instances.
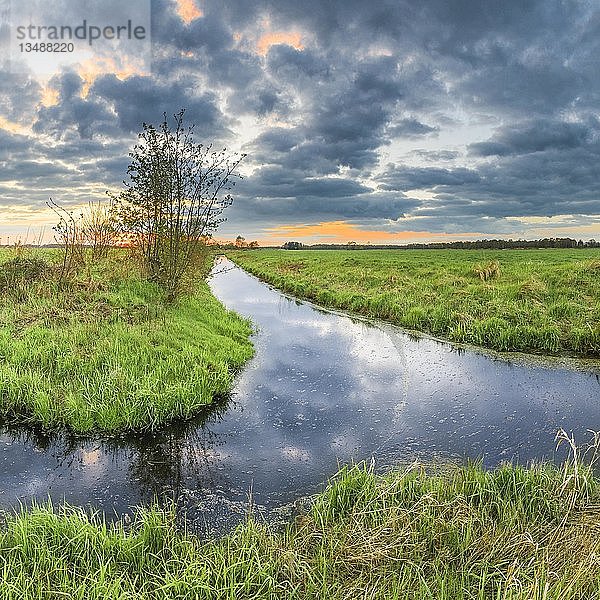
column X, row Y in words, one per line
column 188, row 11
column 92, row 68
column 267, row 40
column 49, row 96
column 12, row 126
column 339, row 232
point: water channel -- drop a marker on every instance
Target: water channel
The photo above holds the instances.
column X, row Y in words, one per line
column 324, row 389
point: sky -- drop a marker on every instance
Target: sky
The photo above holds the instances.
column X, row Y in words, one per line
column 387, row 121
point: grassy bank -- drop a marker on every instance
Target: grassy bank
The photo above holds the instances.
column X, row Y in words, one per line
column 104, row 352
column 511, row 533
column 545, row 301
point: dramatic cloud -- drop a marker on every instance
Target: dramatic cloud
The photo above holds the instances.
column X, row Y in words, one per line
column 540, row 135
column 433, row 118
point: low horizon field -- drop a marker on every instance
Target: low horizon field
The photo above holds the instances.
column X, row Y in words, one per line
column 538, row 301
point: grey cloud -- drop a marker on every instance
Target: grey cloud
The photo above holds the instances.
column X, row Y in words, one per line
column 409, row 178
column 143, row 99
column 346, row 126
column 533, row 137
column 211, row 33
column 11, row 143
column 291, row 65
column 261, row 100
column 275, row 140
column 280, row 183
column 410, row 128
column 88, row 116
column 371, row 77
column 19, row 95
column 540, row 184
column 314, row 209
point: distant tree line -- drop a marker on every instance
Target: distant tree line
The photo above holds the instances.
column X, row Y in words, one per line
column 294, row 246
column 240, row 242
column 459, row 245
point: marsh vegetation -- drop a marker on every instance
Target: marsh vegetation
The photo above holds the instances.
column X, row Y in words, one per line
column 458, row 533
column 103, row 350
column 452, row 532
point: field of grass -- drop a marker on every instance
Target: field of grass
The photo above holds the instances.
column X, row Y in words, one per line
column 463, row 533
column 103, row 352
column 544, row 301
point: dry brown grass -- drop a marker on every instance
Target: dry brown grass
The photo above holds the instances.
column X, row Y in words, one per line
column 489, row 271
column 291, row 267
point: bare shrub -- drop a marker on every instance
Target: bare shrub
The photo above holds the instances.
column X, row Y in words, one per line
column 69, row 234
column 84, row 236
column 98, row 228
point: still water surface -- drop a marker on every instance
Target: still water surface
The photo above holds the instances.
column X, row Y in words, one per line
column 323, row 390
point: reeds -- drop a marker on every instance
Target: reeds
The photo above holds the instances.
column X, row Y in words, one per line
column 451, row 533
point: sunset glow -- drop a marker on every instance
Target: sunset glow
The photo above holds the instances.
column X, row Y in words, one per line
column 123, row 68
column 293, row 39
column 340, row 232
column 188, row 10
column 49, row 96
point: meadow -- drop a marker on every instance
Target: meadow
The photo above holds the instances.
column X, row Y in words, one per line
column 540, row 301
column 103, row 351
column 452, row 534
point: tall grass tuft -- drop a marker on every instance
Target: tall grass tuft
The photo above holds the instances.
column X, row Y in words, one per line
column 490, row 271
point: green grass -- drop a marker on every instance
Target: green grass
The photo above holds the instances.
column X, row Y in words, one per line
column 462, row 533
column 105, row 353
column 544, row 301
